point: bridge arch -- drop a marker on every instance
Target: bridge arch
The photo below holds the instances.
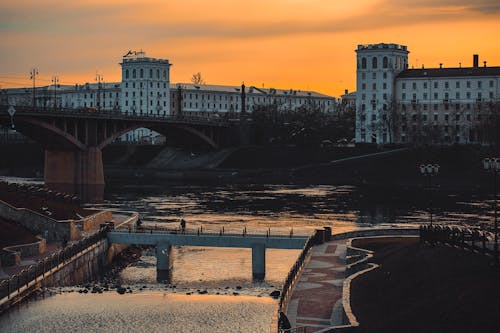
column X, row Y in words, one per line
column 162, row 130
column 52, row 129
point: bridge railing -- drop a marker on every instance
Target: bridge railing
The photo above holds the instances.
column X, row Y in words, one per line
column 462, row 237
column 205, row 232
column 32, row 272
column 105, row 114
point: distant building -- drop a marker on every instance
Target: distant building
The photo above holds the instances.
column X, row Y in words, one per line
column 395, row 104
column 145, row 89
column 348, row 98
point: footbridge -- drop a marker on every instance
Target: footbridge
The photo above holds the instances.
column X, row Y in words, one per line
column 164, row 240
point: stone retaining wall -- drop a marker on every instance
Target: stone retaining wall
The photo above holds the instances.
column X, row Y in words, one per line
column 28, row 250
column 40, row 224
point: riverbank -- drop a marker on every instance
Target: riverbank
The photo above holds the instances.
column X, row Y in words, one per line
column 423, row 288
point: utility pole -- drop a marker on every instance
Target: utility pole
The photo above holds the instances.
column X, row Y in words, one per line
column 55, row 81
column 33, row 74
column 99, row 79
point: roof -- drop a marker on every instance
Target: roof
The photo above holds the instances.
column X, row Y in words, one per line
column 249, row 90
column 449, row 72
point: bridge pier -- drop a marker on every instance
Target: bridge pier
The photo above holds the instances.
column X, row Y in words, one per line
column 163, row 261
column 258, row 261
column 75, row 172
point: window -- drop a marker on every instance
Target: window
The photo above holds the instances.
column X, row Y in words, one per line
column 150, row 73
column 468, row 84
column 446, row 85
column 479, row 84
column 468, row 94
column 141, row 73
column 435, row 107
column 435, row 117
column 385, row 96
column 374, row 62
column 363, row 63
column 446, row 117
column 385, row 75
column 468, row 117
column 425, row 96
column 457, row 95
column 374, row 117
column 157, row 73
column 384, row 85
column 363, row 86
column 133, row 74
column 385, row 62
column 403, row 85
column 435, row 95
column 374, row 86
column 374, row 76
column 425, row 107
column 457, row 117
column 491, row 83
column 435, row 85
column 363, row 76
column 425, row 117
column 457, row 85
column 126, row 74
column 425, row 85
column 491, row 94
column 414, row 85
column 403, row 96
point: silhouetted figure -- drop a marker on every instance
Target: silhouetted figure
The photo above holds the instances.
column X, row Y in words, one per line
column 183, row 225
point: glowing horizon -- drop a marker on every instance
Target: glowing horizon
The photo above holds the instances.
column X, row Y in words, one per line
column 297, row 44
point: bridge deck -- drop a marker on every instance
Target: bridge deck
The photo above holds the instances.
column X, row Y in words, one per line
column 151, row 237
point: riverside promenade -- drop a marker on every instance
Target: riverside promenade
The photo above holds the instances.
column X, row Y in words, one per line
column 320, row 298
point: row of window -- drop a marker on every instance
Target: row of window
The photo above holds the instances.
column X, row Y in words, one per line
column 143, row 85
column 141, row 103
column 446, row 96
column 158, row 94
column 141, row 73
column 400, row 63
column 446, row 84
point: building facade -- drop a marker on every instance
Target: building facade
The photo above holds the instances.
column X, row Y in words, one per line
column 395, row 104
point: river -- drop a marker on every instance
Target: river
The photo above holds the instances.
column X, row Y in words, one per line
column 223, row 273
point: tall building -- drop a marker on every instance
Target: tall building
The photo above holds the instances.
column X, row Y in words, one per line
column 145, row 86
column 395, row 104
column 377, row 67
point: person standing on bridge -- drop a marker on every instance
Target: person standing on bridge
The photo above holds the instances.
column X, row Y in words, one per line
column 183, row 225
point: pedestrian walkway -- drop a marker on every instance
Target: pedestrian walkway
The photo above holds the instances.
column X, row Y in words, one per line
column 316, row 302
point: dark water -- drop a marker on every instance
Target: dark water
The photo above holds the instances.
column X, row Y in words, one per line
column 220, row 271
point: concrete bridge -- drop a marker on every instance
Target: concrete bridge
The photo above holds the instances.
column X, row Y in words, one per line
column 74, row 139
column 164, row 240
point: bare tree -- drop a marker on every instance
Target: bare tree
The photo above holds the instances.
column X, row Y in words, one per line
column 197, row 78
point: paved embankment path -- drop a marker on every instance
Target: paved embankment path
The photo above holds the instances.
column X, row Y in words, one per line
column 316, row 301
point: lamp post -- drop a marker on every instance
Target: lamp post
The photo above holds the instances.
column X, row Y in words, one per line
column 55, row 81
column 493, row 165
column 429, row 170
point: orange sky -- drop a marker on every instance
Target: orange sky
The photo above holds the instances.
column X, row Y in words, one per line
column 301, row 44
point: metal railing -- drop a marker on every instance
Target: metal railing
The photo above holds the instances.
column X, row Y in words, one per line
column 45, row 265
column 291, row 279
column 200, row 231
column 117, row 114
column 462, row 237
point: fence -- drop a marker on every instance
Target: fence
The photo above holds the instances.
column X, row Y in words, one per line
column 463, row 237
column 23, row 278
column 292, row 276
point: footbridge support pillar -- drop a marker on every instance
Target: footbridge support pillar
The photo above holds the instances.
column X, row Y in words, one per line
column 258, row 261
column 163, row 261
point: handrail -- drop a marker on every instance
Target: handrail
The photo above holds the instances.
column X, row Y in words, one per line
column 24, row 277
column 463, row 237
column 292, row 276
column 107, row 114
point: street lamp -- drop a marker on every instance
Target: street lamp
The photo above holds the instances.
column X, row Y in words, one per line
column 429, row 170
column 493, row 165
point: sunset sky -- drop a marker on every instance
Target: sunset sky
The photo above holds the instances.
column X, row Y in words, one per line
column 300, row 44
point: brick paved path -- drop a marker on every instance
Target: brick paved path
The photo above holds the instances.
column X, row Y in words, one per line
column 317, row 296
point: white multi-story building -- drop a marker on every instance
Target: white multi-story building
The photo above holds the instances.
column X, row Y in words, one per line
column 145, row 87
column 441, row 105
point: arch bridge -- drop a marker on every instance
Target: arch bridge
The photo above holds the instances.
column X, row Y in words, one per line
column 73, row 140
